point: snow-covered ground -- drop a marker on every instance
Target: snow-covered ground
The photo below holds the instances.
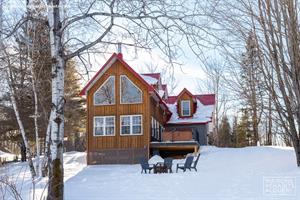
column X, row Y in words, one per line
column 7, row 156
column 258, row 173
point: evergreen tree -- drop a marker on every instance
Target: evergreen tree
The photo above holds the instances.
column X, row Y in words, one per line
column 224, row 133
column 234, row 131
column 243, row 128
column 251, row 84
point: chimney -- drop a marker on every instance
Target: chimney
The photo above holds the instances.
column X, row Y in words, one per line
column 119, row 47
column 120, row 50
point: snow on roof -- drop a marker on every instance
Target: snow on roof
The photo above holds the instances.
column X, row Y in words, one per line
column 150, row 80
column 203, row 114
column 161, row 93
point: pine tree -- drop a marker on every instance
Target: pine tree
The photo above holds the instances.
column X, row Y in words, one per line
column 242, row 134
column 224, row 133
column 234, row 132
column 251, row 83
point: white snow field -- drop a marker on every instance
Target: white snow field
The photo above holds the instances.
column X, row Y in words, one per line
column 251, row 173
column 7, row 156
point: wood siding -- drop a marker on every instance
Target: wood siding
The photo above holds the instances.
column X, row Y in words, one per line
column 185, row 96
column 157, row 112
column 118, row 142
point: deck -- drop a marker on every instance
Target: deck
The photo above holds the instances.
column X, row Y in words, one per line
column 175, row 148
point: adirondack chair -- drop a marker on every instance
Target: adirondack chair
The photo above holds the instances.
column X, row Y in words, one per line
column 168, row 162
column 145, row 165
column 194, row 164
column 186, row 165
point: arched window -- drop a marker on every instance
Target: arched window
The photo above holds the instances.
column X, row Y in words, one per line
column 130, row 93
column 105, row 95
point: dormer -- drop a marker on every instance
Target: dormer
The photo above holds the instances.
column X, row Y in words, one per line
column 186, row 104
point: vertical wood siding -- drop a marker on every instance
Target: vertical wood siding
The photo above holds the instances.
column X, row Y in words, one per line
column 185, row 96
column 118, row 142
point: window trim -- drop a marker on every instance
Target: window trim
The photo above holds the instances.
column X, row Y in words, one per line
column 106, row 104
column 131, row 125
column 182, row 102
column 104, row 130
column 120, row 85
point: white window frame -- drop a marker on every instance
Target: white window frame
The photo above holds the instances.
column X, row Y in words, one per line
column 131, row 125
column 189, row 103
column 106, row 104
column 104, row 127
column 134, row 85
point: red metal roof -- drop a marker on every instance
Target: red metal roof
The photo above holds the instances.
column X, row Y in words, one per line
column 171, row 99
column 153, row 75
column 118, row 57
column 205, row 99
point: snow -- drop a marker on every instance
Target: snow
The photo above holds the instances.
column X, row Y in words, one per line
column 203, row 114
column 7, row 156
column 161, row 93
column 223, row 174
column 149, row 80
column 155, row 159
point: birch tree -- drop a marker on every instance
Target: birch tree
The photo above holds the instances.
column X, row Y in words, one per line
column 81, row 27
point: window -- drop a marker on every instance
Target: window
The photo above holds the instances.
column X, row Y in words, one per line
column 185, row 108
column 156, row 129
column 104, row 125
column 131, row 125
column 105, row 95
column 130, row 93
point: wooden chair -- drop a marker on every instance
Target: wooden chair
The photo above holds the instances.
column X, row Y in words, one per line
column 186, row 165
column 194, row 164
column 145, row 165
column 168, row 162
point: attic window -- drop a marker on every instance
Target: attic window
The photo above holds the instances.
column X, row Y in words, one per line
column 105, row 95
column 130, row 93
column 185, row 108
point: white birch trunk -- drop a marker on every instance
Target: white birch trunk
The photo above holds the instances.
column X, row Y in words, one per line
column 13, row 100
column 56, row 184
column 20, row 123
column 47, row 146
column 37, row 142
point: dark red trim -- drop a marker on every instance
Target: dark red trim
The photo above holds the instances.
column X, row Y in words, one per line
column 119, row 57
column 183, row 91
column 188, row 123
column 153, row 75
column 83, row 91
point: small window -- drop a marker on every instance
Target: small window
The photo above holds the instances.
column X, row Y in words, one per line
column 105, row 95
column 130, row 93
column 131, row 125
column 104, row 125
column 185, row 108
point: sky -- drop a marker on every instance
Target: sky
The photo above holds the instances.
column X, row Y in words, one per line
column 187, row 75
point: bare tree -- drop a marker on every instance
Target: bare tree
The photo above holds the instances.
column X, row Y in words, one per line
column 275, row 25
column 147, row 24
column 215, row 83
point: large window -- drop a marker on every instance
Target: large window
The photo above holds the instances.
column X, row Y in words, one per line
column 185, row 108
column 105, row 95
column 104, row 125
column 131, row 125
column 130, row 93
column 156, row 129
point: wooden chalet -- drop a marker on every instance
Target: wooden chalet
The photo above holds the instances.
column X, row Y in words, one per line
column 131, row 115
